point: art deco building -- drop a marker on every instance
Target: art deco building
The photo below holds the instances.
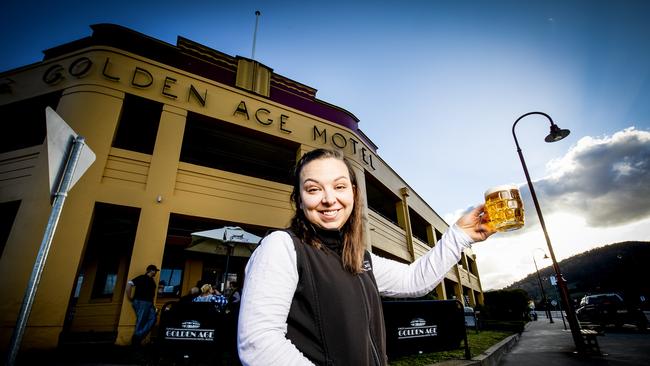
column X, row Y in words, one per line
column 186, row 139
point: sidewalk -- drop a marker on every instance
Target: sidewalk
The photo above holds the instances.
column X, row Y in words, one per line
column 545, row 344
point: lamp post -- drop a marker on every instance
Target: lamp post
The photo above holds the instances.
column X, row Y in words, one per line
column 541, row 286
column 556, row 134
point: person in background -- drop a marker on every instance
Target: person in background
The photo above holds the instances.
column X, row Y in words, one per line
column 194, row 292
column 207, row 294
column 312, row 292
column 235, row 296
column 142, row 301
column 232, row 315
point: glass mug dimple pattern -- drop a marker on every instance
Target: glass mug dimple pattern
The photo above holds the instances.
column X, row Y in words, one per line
column 504, row 208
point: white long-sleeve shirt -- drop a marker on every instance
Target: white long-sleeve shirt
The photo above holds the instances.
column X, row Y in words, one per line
column 272, row 277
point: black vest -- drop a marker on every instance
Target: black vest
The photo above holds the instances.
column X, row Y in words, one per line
column 335, row 317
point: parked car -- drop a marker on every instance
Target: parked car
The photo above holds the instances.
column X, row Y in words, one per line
column 470, row 317
column 610, row 309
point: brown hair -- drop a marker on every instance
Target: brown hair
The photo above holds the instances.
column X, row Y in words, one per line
column 354, row 244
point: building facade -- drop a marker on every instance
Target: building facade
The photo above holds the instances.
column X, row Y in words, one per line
column 186, row 139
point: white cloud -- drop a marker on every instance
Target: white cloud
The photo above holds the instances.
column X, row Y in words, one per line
column 605, row 180
column 598, row 193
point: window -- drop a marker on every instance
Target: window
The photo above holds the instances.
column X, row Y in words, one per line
column 8, row 212
column 109, row 247
column 105, row 280
column 26, row 119
column 171, row 271
column 381, row 199
column 222, row 145
column 472, row 266
column 419, row 226
column 450, row 288
column 170, row 282
column 138, row 125
column 438, row 234
column 77, row 288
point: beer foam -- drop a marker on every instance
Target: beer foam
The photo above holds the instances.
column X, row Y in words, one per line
column 505, row 187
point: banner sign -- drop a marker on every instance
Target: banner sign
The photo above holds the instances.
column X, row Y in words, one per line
column 421, row 326
column 190, row 323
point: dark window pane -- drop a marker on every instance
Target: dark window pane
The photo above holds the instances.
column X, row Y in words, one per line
column 438, row 234
column 138, row 125
column 221, row 145
column 171, row 271
column 381, row 199
column 8, row 212
column 111, row 239
column 24, row 122
column 418, row 226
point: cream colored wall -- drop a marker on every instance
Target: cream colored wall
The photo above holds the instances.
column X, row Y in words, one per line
column 22, row 245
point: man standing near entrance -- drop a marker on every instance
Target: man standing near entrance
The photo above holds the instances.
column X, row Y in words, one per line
column 142, row 302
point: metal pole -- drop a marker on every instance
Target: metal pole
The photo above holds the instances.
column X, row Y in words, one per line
column 225, row 272
column 55, row 214
column 257, row 17
column 562, row 313
column 539, row 279
column 564, row 291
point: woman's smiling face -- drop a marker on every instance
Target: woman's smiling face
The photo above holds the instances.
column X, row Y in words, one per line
column 326, row 193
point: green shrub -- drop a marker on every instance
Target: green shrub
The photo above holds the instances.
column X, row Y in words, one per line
column 505, row 305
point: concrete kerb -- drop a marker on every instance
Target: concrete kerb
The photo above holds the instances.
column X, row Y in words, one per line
column 492, row 355
column 489, row 357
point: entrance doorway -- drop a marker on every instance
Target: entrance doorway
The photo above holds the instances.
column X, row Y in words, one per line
column 94, row 307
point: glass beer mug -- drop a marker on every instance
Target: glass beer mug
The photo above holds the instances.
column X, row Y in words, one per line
column 504, row 207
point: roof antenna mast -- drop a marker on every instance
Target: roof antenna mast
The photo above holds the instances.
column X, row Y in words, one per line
column 257, row 17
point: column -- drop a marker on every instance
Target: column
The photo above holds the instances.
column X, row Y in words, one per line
column 149, row 244
column 404, row 219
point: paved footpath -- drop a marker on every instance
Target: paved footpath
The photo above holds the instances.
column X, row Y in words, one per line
column 543, row 343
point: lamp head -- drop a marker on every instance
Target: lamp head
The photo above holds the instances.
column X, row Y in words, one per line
column 556, row 133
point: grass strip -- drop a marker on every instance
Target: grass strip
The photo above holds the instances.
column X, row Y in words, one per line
column 478, row 343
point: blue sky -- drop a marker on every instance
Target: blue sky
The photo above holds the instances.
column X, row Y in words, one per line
column 437, row 86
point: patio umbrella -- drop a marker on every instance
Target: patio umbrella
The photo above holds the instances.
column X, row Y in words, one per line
column 228, row 241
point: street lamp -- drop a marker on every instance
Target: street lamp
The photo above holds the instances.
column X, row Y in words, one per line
column 539, row 279
column 556, row 134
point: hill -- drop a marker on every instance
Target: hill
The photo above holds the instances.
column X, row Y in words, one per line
column 620, row 267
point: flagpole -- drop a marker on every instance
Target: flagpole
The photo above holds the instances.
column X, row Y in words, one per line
column 257, row 17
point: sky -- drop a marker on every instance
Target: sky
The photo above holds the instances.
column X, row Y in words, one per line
column 437, row 85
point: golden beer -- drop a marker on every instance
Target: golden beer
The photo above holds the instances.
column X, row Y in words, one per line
column 504, row 207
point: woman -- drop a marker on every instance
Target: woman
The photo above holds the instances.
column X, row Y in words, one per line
column 312, row 293
column 207, row 294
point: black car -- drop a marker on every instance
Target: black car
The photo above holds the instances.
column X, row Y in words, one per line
column 610, row 309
